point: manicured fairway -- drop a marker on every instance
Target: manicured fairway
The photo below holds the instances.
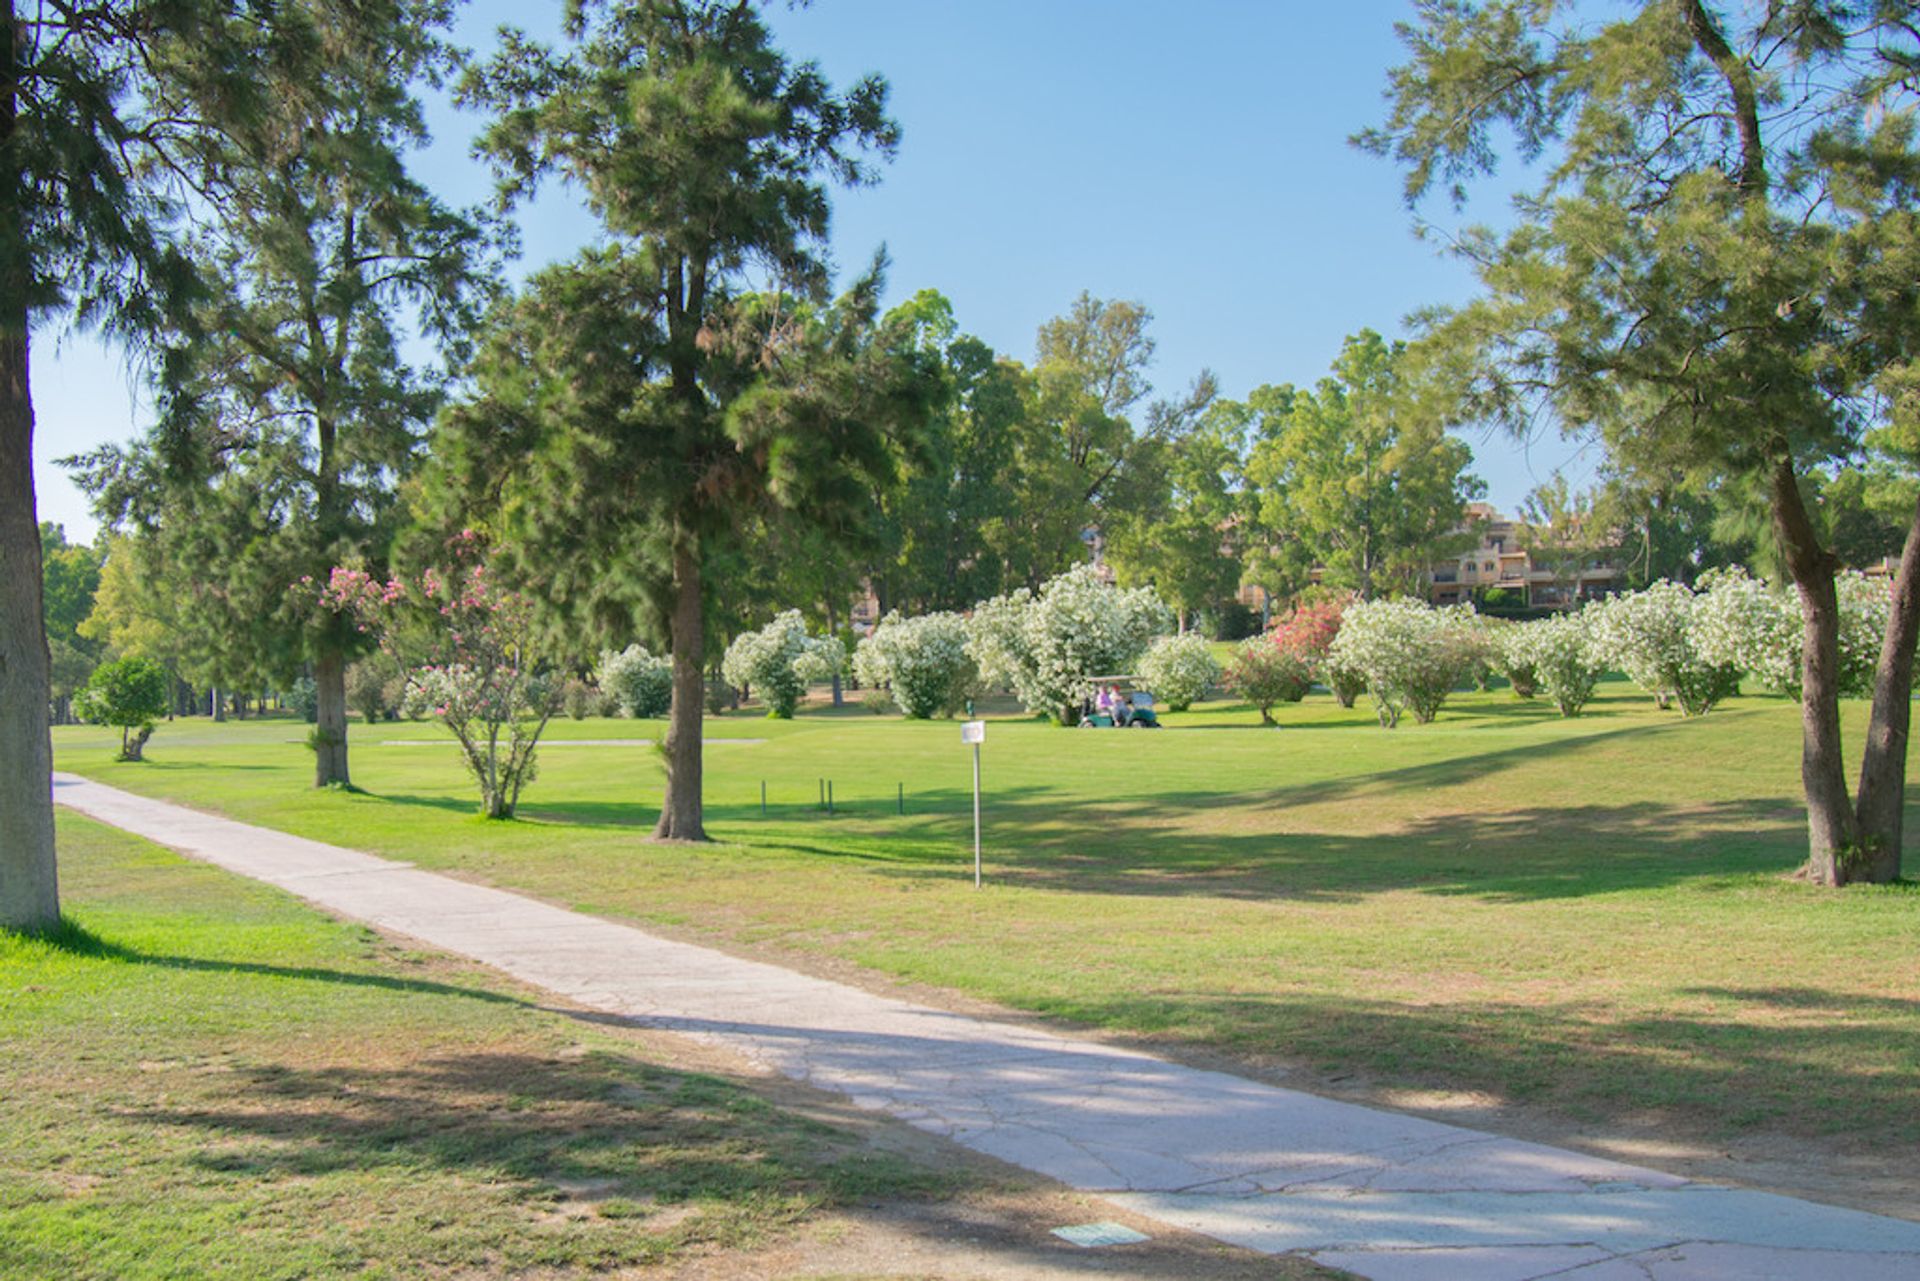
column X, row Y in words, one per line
column 1588, row 918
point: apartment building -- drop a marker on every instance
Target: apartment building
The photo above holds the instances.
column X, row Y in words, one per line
column 1501, row 561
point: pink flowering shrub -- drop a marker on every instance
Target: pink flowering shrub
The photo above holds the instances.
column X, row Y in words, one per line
column 472, row 658
column 1305, row 638
column 1307, row 633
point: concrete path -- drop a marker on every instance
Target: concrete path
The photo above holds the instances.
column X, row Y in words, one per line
column 1387, row 1196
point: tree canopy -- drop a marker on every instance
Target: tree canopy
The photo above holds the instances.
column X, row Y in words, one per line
column 660, row 397
column 1715, row 277
column 1358, row 477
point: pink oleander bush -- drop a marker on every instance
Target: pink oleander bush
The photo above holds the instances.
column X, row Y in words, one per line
column 472, row 658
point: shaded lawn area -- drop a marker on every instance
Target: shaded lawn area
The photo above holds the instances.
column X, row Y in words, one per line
column 1590, row 917
column 204, row 1078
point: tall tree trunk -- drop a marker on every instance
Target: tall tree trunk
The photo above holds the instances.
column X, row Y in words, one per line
column 216, row 705
column 1882, row 796
column 1832, row 833
column 839, row 695
column 681, row 817
column 29, row 875
column 330, row 720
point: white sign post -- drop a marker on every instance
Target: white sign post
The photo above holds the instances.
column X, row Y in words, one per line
column 975, row 732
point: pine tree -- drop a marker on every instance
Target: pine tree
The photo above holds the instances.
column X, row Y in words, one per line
column 290, row 412
column 640, row 402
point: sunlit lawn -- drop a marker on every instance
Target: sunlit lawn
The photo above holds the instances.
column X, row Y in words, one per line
column 204, row 1078
column 1588, row 916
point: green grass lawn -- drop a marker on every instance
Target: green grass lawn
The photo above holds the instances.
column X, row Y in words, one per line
column 1587, row 917
column 203, row 1078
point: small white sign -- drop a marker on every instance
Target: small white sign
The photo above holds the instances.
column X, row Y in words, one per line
column 973, row 731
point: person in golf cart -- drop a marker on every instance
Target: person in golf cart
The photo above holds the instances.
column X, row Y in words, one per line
column 1117, row 703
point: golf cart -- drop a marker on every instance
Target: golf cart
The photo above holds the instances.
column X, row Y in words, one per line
column 1139, row 714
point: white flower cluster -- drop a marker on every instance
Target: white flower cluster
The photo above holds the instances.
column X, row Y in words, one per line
column 1513, row 653
column 779, row 660
column 1044, row 647
column 1557, row 655
column 641, row 683
column 1478, row 638
column 1741, row 623
column 1746, row 624
column 1180, row 669
column 922, row 660
column 1410, row 654
column 1865, row 606
column 1650, row 636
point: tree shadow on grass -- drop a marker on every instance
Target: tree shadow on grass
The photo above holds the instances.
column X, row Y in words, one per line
column 621, row 1139
column 77, row 940
column 1513, row 855
column 1712, row 1070
column 1025, row 802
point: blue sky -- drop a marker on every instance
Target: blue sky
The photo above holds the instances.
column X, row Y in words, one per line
column 1192, row 157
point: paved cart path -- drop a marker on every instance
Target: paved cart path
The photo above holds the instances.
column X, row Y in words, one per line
column 1387, row 1196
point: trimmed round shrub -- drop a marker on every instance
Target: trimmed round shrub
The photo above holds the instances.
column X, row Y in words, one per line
column 922, row 661
column 303, row 696
column 1410, row 654
column 1562, row 654
column 1650, row 636
column 375, row 688
column 639, row 683
column 130, row 693
column 1746, row 624
column 1513, row 652
column 1179, row 670
column 1044, row 646
column 780, row 660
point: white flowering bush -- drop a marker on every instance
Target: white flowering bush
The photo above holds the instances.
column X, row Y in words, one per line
column 1346, row 683
column 1744, row 623
column 1865, row 605
column 779, row 661
column 923, row 661
column 1044, row 646
column 1513, row 655
column 1410, row 655
column 1561, row 656
column 640, row 683
column 1180, row 669
column 1650, row 636
column 1478, row 641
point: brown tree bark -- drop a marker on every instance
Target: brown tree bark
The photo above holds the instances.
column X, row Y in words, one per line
column 330, row 720
column 29, row 874
column 1833, row 835
column 681, row 813
column 1882, row 795
column 839, row 695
